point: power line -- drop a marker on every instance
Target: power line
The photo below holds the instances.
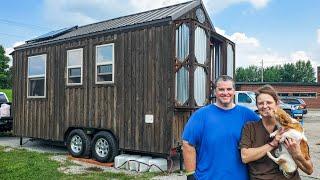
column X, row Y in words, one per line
column 12, row 35
column 25, row 25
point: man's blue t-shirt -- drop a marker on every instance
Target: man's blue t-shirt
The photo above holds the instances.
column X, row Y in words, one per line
column 215, row 133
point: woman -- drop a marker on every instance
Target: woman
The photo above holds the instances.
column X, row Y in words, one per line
column 255, row 141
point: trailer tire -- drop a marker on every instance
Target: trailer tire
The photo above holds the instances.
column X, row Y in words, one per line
column 104, row 147
column 78, row 143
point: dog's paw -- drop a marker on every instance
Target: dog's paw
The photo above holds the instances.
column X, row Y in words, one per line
column 274, row 134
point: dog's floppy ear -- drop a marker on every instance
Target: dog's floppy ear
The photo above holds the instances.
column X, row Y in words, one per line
column 282, row 116
column 304, row 149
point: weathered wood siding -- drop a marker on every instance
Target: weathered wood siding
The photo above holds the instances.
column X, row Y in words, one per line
column 143, row 85
column 182, row 113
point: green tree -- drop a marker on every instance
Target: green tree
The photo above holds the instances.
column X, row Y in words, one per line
column 304, row 72
column 4, row 69
column 300, row 71
column 272, row 74
column 249, row 74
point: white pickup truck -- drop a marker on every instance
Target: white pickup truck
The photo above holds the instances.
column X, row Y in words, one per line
column 5, row 113
column 248, row 99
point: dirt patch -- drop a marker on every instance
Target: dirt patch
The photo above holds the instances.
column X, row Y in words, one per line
column 8, row 149
column 95, row 169
column 60, row 158
column 81, row 166
column 73, row 170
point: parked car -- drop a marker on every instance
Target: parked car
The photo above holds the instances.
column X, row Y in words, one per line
column 3, row 98
column 248, row 99
column 293, row 110
column 298, row 102
column 5, row 113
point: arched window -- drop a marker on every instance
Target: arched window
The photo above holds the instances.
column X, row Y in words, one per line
column 200, row 86
column 182, row 85
column 200, row 45
column 200, row 76
column 182, row 74
column 182, row 42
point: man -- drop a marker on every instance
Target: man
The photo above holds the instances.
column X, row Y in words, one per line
column 212, row 134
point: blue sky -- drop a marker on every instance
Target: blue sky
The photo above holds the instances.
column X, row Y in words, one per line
column 277, row 31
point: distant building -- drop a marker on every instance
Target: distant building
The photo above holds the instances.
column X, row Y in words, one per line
column 308, row 92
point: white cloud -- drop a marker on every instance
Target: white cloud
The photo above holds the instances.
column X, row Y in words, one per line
column 10, row 50
column 241, row 38
column 81, row 12
column 318, row 33
column 62, row 13
column 259, row 3
column 142, row 5
column 249, row 51
column 216, row 6
column 299, row 55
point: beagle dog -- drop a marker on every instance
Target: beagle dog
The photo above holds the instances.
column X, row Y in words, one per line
column 294, row 130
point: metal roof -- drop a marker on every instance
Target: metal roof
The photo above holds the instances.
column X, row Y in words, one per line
column 52, row 34
column 125, row 22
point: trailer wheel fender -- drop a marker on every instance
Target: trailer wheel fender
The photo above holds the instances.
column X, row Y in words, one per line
column 104, row 147
column 78, row 143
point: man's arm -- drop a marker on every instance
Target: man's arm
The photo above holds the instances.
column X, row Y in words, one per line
column 189, row 156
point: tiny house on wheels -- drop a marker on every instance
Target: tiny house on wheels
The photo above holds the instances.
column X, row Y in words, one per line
column 128, row 83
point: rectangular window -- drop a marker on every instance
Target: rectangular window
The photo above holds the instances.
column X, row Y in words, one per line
column 305, row 95
column 105, row 63
column 283, row 94
column 298, row 94
column 37, row 76
column 74, row 66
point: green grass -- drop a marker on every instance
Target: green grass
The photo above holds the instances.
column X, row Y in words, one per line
column 22, row 164
column 8, row 93
column 6, row 134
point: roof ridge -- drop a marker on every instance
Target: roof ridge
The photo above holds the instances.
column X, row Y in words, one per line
column 135, row 14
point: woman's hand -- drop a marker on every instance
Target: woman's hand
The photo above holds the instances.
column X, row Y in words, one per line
column 276, row 139
column 293, row 147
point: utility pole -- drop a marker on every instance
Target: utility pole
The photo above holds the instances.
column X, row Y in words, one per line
column 262, row 70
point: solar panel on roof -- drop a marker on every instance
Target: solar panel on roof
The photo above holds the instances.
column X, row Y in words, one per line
column 52, row 34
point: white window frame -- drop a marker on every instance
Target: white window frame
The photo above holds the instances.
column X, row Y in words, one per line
column 76, row 66
column 38, row 76
column 106, row 63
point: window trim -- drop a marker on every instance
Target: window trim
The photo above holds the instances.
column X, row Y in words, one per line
column 107, row 63
column 290, row 95
column 37, row 76
column 76, row 66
